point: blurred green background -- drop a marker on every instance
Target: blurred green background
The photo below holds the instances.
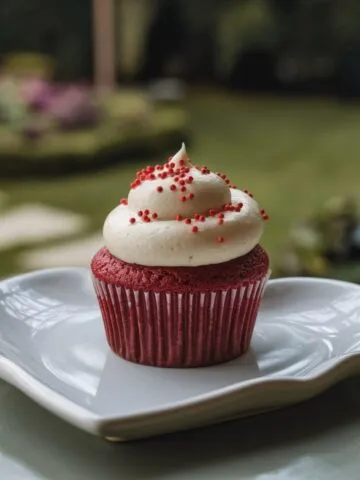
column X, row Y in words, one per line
column 267, row 89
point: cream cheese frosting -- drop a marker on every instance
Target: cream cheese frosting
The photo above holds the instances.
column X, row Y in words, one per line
column 181, row 215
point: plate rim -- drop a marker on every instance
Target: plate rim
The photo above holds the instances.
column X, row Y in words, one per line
column 339, row 369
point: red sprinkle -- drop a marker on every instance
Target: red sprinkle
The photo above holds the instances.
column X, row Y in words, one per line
column 135, row 184
column 189, row 179
column 182, row 182
column 188, row 221
column 191, row 196
column 154, row 215
column 140, row 213
column 179, row 218
column 173, row 187
column 123, row 201
column 262, row 211
column 172, row 165
column 159, row 189
column 220, row 239
column 212, row 212
column 146, row 219
column 220, row 215
column 266, row 217
column 195, row 229
column 183, row 199
column 146, row 212
column 202, row 218
column 182, row 162
column 176, row 179
column 197, row 216
column 183, row 189
column 132, row 220
column 220, row 221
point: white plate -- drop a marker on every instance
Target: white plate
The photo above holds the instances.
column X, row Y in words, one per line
column 53, row 348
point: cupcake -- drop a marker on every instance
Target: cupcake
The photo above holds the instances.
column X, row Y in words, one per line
column 181, row 276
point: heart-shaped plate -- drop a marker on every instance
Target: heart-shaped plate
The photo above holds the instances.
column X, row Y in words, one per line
column 53, row 348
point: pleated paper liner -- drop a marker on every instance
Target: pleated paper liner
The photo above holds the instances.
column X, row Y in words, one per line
column 179, row 329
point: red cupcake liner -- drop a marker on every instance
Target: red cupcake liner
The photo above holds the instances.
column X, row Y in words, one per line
column 170, row 329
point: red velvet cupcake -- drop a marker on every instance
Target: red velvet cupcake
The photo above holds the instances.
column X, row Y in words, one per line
column 181, row 278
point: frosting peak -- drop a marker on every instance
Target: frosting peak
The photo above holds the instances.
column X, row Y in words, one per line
column 178, row 214
column 185, row 190
column 181, row 158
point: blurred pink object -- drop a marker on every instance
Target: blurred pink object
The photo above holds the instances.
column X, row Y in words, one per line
column 73, row 106
column 37, row 93
column 70, row 105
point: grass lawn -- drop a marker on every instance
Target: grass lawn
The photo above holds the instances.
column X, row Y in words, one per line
column 291, row 153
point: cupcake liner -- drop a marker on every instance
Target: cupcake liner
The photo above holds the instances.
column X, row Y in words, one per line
column 170, row 329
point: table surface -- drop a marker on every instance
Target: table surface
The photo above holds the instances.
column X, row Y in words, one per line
column 316, row 440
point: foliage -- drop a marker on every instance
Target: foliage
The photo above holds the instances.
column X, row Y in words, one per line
column 241, row 25
column 305, row 37
column 27, row 64
column 63, row 129
column 38, row 102
column 345, row 21
column 324, row 244
column 60, row 30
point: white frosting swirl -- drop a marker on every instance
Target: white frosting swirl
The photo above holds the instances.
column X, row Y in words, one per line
column 169, row 242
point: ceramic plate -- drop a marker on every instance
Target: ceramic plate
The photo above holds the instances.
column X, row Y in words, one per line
column 53, row 348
